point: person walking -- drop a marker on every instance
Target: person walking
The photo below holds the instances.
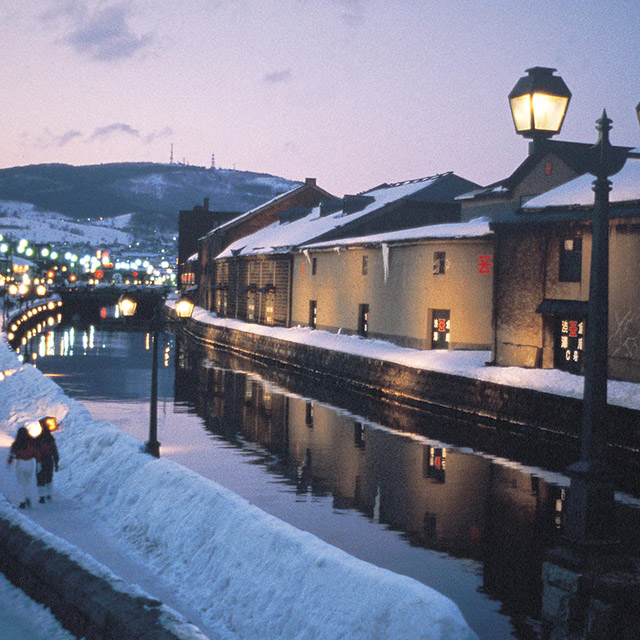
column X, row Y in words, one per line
column 47, row 459
column 23, row 451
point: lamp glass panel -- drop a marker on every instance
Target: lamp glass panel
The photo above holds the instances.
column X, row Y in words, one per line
column 521, row 111
column 184, row 308
column 548, row 111
column 127, row 307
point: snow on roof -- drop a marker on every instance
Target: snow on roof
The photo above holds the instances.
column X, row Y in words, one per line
column 279, row 237
column 193, row 258
column 473, row 229
column 626, row 187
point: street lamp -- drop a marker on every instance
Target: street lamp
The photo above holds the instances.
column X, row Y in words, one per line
column 539, row 102
column 184, row 309
column 590, row 502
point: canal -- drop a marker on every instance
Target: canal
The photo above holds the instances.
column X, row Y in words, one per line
column 397, row 488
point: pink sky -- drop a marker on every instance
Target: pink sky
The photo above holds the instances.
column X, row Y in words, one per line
column 351, row 92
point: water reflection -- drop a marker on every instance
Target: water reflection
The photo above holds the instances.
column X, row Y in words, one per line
column 440, row 497
column 407, row 491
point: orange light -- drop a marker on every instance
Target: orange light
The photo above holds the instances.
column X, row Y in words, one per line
column 49, row 422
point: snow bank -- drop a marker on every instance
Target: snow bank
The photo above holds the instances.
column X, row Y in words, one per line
column 253, row 575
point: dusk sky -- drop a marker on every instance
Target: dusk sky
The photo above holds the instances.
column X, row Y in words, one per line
column 351, row 92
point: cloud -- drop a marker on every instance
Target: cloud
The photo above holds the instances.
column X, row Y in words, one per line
column 104, row 132
column 277, row 76
column 47, row 139
column 67, row 137
column 121, row 128
column 102, row 34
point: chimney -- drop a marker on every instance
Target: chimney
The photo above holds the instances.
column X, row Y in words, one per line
column 310, row 182
column 206, row 204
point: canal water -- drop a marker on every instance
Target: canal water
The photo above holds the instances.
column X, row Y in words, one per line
column 400, row 489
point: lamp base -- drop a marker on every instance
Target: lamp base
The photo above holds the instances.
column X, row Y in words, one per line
column 152, row 448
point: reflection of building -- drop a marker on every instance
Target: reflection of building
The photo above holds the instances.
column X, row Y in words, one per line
column 439, row 498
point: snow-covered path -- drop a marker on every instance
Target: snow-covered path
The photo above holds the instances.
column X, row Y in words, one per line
column 227, row 566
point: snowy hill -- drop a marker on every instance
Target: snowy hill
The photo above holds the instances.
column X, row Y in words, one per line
column 20, row 220
column 148, row 190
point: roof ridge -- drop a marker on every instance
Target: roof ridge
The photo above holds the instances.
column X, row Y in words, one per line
column 387, row 185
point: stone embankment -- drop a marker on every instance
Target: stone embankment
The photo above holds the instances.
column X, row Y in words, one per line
column 518, row 412
column 86, row 598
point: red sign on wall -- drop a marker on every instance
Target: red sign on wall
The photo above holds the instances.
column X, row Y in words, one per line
column 485, row 264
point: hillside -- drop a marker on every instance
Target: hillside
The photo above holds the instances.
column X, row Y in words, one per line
column 156, row 192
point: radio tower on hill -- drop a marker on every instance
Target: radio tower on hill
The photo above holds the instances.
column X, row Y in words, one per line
column 213, row 161
column 171, row 157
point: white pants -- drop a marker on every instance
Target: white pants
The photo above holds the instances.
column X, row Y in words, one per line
column 24, row 473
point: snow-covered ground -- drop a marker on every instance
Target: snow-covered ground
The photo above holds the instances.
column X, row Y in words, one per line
column 464, row 363
column 20, row 220
column 227, row 566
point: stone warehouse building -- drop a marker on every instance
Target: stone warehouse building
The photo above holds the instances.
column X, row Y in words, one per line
column 426, row 288
column 254, row 276
column 543, row 257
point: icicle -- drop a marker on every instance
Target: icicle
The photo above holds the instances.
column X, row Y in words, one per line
column 384, row 247
column 305, row 253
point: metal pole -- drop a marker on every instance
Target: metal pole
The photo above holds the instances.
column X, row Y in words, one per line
column 152, row 446
column 591, row 503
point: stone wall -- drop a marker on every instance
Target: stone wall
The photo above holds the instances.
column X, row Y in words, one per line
column 530, row 414
column 86, row 598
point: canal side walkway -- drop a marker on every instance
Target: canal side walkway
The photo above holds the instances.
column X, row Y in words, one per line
column 167, row 535
column 539, row 404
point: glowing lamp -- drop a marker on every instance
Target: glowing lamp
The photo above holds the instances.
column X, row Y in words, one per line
column 127, row 306
column 41, row 290
column 34, row 429
column 49, row 422
column 13, row 289
column 184, row 308
column 539, row 103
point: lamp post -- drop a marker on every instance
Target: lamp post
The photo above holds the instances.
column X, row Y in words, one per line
column 538, row 105
column 184, row 309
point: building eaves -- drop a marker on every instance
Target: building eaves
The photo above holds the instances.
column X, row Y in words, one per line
column 565, row 214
